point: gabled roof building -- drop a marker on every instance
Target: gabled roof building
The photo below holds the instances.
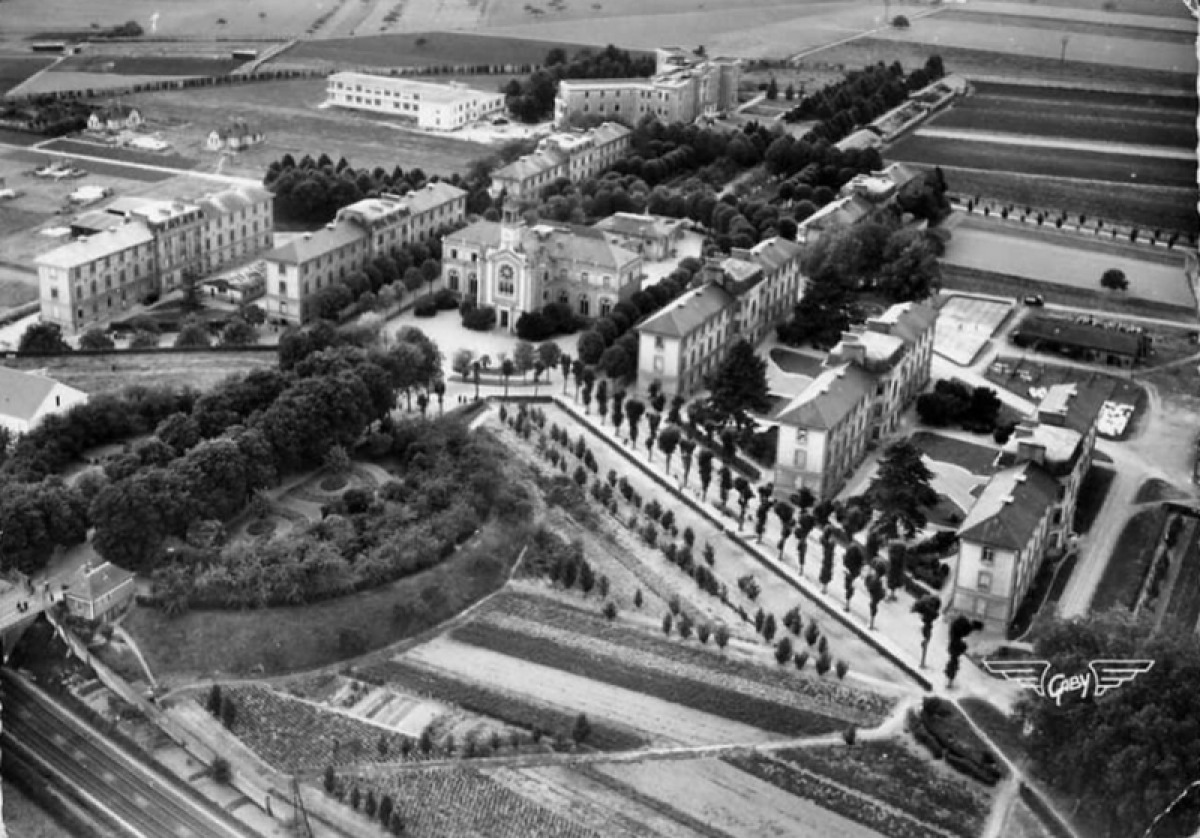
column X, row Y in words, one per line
column 26, row 398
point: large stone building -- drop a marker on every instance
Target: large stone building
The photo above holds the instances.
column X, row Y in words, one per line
column 145, row 247
column 1025, row 512
column 684, row 87
column 518, row 268
column 299, row 269
column 872, row 375
column 571, row 155
column 743, row 297
column 436, row 106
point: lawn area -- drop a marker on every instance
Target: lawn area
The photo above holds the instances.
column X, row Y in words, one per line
column 15, row 69
column 977, row 459
column 148, row 65
column 106, row 373
column 1001, row 728
column 1066, row 25
column 796, row 363
column 278, row 640
column 120, row 155
column 1155, row 490
column 15, row 292
column 1130, row 560
column 413, row 49
column 1092, row 493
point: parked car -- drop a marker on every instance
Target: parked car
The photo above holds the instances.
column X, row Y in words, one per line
column 1035, row 300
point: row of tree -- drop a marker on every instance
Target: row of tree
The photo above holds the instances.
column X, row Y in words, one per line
column 532, row 99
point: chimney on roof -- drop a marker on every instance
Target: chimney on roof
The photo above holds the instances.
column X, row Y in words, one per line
column 852, row 349
column 1033, row 452
column 1008, row 499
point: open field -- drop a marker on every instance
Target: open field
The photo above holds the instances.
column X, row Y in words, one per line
column 1056, row 112
column 1131, row 557
column 1055, row 162
column 1044, row 41
column 41, row 19
column 105, row 373
column 120, row 155
column 1127, row 28
column 418, row 49
column 1063, row 264
column 1175, row 11
column 291, row 116
column 1111, row 12
column 14, row 69
column 147, row 65
column 731, row 801
column 277, row 640
column 986, row 60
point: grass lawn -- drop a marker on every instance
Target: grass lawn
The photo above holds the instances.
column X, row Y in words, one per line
column 149, row 65
column 1183, row 608
column 107, row 373
column 15, row 69
column 1092, row 493
column 14, row 293
column 279, row 640
column 423, row 48
column 796, row 363
column 1155, row 490
column 976, row 459
column 1122, row 579
column 1003, row 729
column 1065, row 25
column 120, row 155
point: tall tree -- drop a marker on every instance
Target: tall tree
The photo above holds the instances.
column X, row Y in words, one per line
column 507, row 368
column 826, row 576
column 897, row 559
column 634, row 410
column 740, row 384
column 745, row 494
column 852, row 561
column 43, row 339
column 704, row 464
column 724, row 484
column 601, row 397
column 668, row 441
column 786, row 514
column 928, row 608
column 876, row 592
column 960, row 628
column 901, row 490
column 687, row 446
column 653, row 419
column 565, row 364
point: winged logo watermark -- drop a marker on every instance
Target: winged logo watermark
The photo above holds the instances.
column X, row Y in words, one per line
column 1102, row 675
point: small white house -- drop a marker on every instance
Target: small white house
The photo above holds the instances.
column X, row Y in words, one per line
column 234, row 137
column 114, row 118
column 25, row 398
column 99, row 592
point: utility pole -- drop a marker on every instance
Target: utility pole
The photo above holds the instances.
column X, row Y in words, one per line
column 1065, row 39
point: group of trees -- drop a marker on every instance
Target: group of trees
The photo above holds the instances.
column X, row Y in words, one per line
column 951, row 402
column 532, row 99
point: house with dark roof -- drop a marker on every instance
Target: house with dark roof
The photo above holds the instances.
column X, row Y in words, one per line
column 1002, row 543
column 99, row 592
column 235, row 136
column 1083, row 341
column 114, row 117
column 517, row 268
column 26, row 398
column 892, row 352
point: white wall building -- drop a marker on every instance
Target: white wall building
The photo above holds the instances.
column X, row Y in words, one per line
column 26, row 398
column 439, row 107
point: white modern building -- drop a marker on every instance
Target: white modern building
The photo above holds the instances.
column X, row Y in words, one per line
column 438, row 107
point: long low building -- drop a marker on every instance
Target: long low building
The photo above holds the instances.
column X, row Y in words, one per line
column 439, row 107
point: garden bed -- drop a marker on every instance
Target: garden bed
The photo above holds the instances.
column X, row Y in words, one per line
column 1130, row 560
column 1004, row 730
column 977, row 459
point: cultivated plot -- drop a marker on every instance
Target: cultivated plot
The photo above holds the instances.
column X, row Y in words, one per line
column 210, row 19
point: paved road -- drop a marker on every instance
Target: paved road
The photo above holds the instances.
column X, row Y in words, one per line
column 107, row 780
column 1032, row 141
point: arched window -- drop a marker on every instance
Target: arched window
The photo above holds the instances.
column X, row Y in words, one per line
column 583, row 305
column 473, row 285
column 564, row 298
column 452, row 279
column 605, row 307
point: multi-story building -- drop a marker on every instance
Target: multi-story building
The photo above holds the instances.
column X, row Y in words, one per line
column 238, row 223
column 1002, row 540
column 573, row 155
column 685, row 86
column 878, row 369
column 654, row 237
column 1025, row 512
column 438, row 107
column 758, row 286
column 686, row 340
column 361, row 231
column 94, row 279
column 518, row 268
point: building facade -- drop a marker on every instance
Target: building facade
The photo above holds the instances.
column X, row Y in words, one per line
column 686, row 340
column 365, row 229
column 145, row 247
column 100, row 592
column 115, row 117
column 821, row 437
column 437, row 107
column 653, row 237
column 519, row 268
column 26, row 398
column 573, row 155
column 685, row 86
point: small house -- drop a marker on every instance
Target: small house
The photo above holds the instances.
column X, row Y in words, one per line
column 236, row 136
column 99, row 592
column 26, row 398
column 114, row 118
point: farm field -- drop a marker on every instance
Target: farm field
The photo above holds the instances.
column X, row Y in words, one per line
column 1044, row 41
column 42, row 19
column 403, row 50
column 1055, row 162
column 729, row 800
column 1127, row 27
column 147, row 65
column 82, row 83
column 1063, row 264
column 1111, row 13
column 1134, row 7
column 1162, row 207
column 1055, row 112
column 15, row 69
column 291, row 116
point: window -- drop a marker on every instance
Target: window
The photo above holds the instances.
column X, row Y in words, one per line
column 987, row 556
column 452, row 279
column 605, row 307
column 282, row 287
column 584, row 305
column 801, row 437
column 981, row 607
column 800, row 460
column 659, row 343
column 506, row 287
column 985, row 581
column 658, row 363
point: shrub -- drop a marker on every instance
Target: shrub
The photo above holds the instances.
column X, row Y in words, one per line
column 783, row 651
column 222, row 772
column 800, row 660
column 480, row 319
column 610, row 610
column 424, row 307
column 842, row 668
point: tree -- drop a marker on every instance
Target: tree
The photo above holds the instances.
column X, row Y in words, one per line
column 601, row 397
column 901, row 489
column 745, row 493
column 551, row 355
column 507, row 368
column 876, row 591
column 193, row 334
column 740, row 385
column 772, row 89
column 565, row 364
column 900, row 22
column 238, row 332
column 222, row 771
column 634, row 410
column 724, row 484
column 960, row 628
column 927, row 608
column 785, row 514
column 705, row 464
column 43, row 339
column 687, row 447
column 228, row 712
column 523, row 357
column 852, row 561
column 668, row 441
column 461, row 362
column 1114, row 279
column 897, row 559
column 96, row 339
column 783, row 650
column 826, row 564
column 214, row 701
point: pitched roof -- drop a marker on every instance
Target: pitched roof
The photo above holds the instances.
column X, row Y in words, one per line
column 94, row 582
column 311, row 245
column 480, row 233
column 632, row 224
column 830, row 397
column 688, row 312
column 22, row 394
column 431, row 195
column 1076, row 404
column 907, row 321
column 97, row 220
column 579, row 244
column 102, row 244
column 1080, row 335
column 530, row 165
column 775, row 252
column 232, row 200
column 1010, row 507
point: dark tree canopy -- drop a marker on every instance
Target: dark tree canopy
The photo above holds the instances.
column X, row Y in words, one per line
column 901, row 489
column 740, row 385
